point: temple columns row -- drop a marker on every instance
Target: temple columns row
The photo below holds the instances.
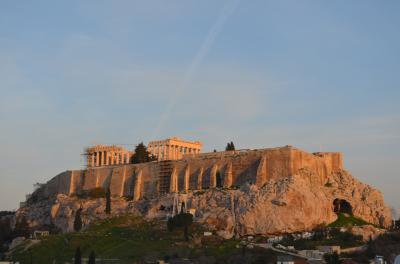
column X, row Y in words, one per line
column 105, row 158
column 172, row 152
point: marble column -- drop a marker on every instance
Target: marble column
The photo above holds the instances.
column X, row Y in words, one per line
column 175, row 152
column 159, row 152
column 164, row 152
column 97, row 159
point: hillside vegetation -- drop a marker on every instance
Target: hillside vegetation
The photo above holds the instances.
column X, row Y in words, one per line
column 129, row 238
column 345, row 220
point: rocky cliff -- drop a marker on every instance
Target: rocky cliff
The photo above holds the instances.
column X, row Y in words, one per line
column 285, row 204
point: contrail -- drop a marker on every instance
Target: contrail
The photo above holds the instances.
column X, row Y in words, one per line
column 226, row 11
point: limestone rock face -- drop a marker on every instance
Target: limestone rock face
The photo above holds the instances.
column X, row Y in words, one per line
column 290, row 204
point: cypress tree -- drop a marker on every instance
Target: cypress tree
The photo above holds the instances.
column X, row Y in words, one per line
column 92, row 258
column 141, row 154
column 230, row 146
column 78, row 220
column 182, row 220
column 22, row 227
column 78, row 258
column 108, row 201
column 332, row 258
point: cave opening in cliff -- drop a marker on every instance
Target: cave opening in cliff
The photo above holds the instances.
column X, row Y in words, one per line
column 342, row 206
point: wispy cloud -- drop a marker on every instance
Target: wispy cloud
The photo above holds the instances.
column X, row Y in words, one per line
column 227, row 10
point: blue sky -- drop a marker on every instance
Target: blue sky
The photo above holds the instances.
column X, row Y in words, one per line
column 319, row 75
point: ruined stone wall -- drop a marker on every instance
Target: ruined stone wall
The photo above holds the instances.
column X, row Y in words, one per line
column 323, row 163
column 228, row 169
column 58, row 184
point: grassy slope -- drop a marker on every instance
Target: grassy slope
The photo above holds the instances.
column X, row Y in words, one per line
column 345, row 240
column 130, row 238
column 347, row 220
column 125, row 238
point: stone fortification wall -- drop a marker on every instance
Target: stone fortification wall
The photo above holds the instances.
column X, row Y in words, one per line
column 323, row 163
column 209, row 170
column 58, row 184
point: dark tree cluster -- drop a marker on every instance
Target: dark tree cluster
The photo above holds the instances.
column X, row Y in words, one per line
column 6, row 233
column 384, row 245
column 230, row 146
column 141, row 154
column 108, row 201
column 182, row 220
column 78, row 220
column 6, row 213
column 397, row 224
column 78, row 257
column 22, row 228
column 332, row 258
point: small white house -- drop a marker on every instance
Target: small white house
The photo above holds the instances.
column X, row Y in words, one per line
column 207, row 233
column 38, row 234
column 312, row 254
column 329, row 249
column 275, row 239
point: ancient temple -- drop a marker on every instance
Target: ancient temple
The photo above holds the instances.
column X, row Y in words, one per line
column 104, row 155
column 174, row 148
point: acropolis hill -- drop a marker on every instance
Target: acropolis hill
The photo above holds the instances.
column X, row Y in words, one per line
column 150, row 180
column 261, row 191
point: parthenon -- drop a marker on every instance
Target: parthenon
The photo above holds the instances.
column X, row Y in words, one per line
column 103, row 155
column 174, row 148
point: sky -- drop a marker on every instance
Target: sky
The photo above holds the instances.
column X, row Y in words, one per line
column 318, row 75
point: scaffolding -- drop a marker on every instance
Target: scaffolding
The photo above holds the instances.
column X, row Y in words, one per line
column 164, row 176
